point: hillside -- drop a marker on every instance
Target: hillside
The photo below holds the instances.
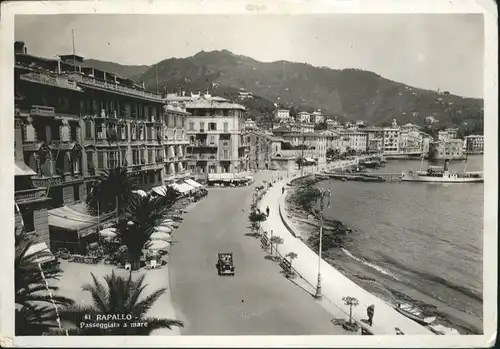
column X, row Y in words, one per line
column 125, row 71
column 348, row 94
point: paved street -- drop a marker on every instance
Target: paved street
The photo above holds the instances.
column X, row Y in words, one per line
column 258, row 299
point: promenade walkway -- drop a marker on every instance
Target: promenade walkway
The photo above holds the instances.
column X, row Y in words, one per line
column 334, row 284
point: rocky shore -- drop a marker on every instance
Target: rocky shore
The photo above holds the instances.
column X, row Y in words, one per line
column 336, row 237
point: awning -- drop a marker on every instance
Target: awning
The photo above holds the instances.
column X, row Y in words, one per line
column 73, row 217
column 40, row 247
column 193, row 183
column 140, row 192
column 160, row 190
column 23, row 170
column 182, row 188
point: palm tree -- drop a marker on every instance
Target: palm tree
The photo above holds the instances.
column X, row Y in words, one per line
column 292, row 256
column 113, row 187
column 142, row 215
column 118, row 296
column 35, row 312
column 351, row 302
column 276, row 240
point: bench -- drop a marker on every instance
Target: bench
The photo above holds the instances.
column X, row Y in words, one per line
column 264, row 241
column 287, row 267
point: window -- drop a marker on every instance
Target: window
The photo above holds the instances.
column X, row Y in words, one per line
column 183, row 119
column 212, row 139
column 112, row 159
column 202, row 126
column 135, row 156
column 99, row 130
column 76, row 192
column 133, row 131
column 191, row 126
column 28, row 218
column 123, row 132
column 149, row 133
column 226, row 127
column 212, row 126
column 88, row 129
column 54, row 131
column 100, row 159
column 150, row 156
column 123, row 157
column 226, row 154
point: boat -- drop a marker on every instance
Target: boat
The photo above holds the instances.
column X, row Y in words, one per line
column 443, row 330
column 439, row 174
column 414, row 314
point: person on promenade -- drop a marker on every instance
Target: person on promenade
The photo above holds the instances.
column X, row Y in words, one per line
column 267, row 210
column 369, row 311
column 283, row 190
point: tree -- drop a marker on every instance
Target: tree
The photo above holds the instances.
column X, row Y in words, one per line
column 306, row 196
column 292, row 256
column 142, row 215
column 35, row 312
column 275, row 240
column 351, row 302
column 112, row 187
column 256, row 218
column 118, row 296
column 300, row 161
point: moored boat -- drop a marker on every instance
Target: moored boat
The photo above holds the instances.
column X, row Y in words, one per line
column 414, row 314
column 442, row 175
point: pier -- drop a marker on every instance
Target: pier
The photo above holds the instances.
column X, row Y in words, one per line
column 364, row 177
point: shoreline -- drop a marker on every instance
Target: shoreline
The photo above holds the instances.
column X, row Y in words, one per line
column 338, row 256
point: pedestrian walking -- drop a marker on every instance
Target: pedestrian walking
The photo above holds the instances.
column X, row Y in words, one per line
column 369, row 311
column 283, row 190
column 267, row 210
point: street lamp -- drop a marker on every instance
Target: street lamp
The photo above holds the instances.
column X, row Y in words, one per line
column 325, row 195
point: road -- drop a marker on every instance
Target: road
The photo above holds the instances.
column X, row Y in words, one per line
column 258, row 300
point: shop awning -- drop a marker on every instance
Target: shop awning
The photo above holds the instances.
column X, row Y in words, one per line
column 73, row 217
column 182, row 188
column 23, row 170
column 160, row 190
column 41, row 248
column 193, row 183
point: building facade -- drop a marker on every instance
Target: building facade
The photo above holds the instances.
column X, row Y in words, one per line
column 282, row 114
column 303, row 117
column 391, row 140
column 262, row 147
column 73, row 122
column 451, row 149
column 474, row 144
column 215, row 129
column 317, row 117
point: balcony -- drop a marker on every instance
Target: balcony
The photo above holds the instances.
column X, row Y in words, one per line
column 204, row 144
column 56, row 180
column 53, row 80
column 30, row 195
column 39, row 110
column 89, row 80
column 146, row 167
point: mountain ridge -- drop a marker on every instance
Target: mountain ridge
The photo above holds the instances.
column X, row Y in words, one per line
column 348, row 93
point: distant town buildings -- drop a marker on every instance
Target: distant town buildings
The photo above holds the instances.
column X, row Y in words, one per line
column 250, row 124
column 304, row 117
column 262, row 147
column 317, row 117
column 282, row 114
column 242, row 94
column 354, row 140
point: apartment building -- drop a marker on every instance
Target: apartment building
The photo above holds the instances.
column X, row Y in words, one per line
column 176, row 142
column 451, row 149
column 391, row 140
column 314, row 142
column 474, row 144
column 262, row 147
column 355, row 140
column 317, row 117
column 303, row 117
column 215, row 129
column 410, row 141
column 74, row 121
column 282, row 114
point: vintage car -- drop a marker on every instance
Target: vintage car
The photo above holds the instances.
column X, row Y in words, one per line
column 225, row 264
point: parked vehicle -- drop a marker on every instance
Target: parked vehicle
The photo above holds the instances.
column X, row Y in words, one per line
column 225, row 265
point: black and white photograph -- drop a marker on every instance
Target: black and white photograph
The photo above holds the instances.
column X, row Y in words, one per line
column 197, row 170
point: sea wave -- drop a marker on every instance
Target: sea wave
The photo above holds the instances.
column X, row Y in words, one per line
column 370, row 264
column 435, row 278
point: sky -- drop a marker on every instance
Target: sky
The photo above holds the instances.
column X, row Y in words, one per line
column 431, row 51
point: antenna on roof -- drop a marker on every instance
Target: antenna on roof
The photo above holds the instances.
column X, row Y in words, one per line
column 73, row 39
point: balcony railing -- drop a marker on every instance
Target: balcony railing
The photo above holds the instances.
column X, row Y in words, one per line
column 116, row 87
column 42, row 110
column 58, row 81
column 28, row 195
column 56, row 180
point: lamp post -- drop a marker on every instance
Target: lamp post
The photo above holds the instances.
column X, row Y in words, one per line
column 325, row 195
